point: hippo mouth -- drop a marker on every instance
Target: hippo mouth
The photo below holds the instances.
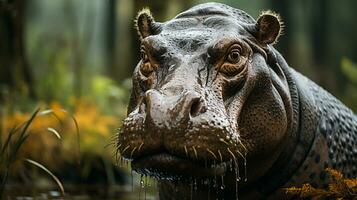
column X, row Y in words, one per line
column 164, row 165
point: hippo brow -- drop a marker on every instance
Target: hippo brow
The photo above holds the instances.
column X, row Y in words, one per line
column 201, row 13
column 256, row 48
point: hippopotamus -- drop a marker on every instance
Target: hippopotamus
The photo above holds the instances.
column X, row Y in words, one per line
column 216, row 112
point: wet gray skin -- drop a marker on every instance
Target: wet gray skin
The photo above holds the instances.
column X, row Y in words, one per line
column 210, row 94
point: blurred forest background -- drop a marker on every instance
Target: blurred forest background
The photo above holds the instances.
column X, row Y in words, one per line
column 78, row 55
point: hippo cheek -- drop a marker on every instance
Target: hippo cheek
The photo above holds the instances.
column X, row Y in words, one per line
column 263, row 122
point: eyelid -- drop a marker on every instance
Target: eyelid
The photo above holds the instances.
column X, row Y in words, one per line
column 235, row 46
column 223, row 47
column 153, row 49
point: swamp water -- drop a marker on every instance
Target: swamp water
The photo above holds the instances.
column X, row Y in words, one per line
column 140, row 189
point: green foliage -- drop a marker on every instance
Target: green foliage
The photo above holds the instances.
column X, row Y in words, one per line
column 349, row 70
column 108, row 94
column 9, row 152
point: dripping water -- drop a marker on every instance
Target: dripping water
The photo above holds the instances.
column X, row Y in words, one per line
column 121, row 162
column 237, row 178
column 231, row 165
column 141, row 185
column 215, row 185
column 149, row 183
column 145, row 186
column 191, row 185
column 222, row 181
column 132, row 180
column 245, row 170
column 209, row 188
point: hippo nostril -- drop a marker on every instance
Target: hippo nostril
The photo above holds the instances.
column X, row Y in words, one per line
column 196, row 107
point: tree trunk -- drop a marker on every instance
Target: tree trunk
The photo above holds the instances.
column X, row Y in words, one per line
column 15, row 72
column 283, row 8
column 319, row 39
column 113, row 71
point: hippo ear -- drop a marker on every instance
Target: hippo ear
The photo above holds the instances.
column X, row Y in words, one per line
column 145, row 24
column 268, row 27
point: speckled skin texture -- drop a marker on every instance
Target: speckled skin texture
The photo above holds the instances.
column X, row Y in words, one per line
column 328, row 139
column 335, row 139
column 216, row 108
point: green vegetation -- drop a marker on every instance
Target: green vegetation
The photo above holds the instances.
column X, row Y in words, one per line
column 9, row 151
column 349, row 70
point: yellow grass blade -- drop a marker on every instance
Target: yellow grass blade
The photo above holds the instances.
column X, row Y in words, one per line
column 48, row 172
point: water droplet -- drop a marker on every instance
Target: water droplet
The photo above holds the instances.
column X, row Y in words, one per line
column 149, row 183
column 215, row 176
column 145, row 186
column 222, row 185
column 245, row 171
column 195, row 185
column 141, row 182
column 191, row 189
column 132, row 180
column 237, row 178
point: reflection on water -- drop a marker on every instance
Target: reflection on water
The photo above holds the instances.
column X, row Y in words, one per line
column 135, row 191
column 81, row 193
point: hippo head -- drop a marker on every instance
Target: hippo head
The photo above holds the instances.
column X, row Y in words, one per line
column 206, row 96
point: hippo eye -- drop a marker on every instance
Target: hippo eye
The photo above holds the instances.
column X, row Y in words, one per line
column 234, row 56
column 234, row 62
column 146, row 67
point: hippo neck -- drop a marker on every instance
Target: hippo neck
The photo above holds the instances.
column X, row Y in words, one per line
column 299, row 137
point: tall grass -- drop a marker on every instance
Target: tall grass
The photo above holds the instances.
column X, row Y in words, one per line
column 10, row 147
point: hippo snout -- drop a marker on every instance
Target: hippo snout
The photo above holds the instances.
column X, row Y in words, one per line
column 171, row 111
column 173, row 128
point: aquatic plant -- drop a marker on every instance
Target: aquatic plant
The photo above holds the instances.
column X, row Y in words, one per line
column 11, row 146
column 338, row 188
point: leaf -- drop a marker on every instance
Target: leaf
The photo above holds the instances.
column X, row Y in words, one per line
column 52, row 112
column 46, row 112
column 28, row 123
column 16, row 148
column 58, row 182
column 52, row 130
column 77, row 131
column 8, row 139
